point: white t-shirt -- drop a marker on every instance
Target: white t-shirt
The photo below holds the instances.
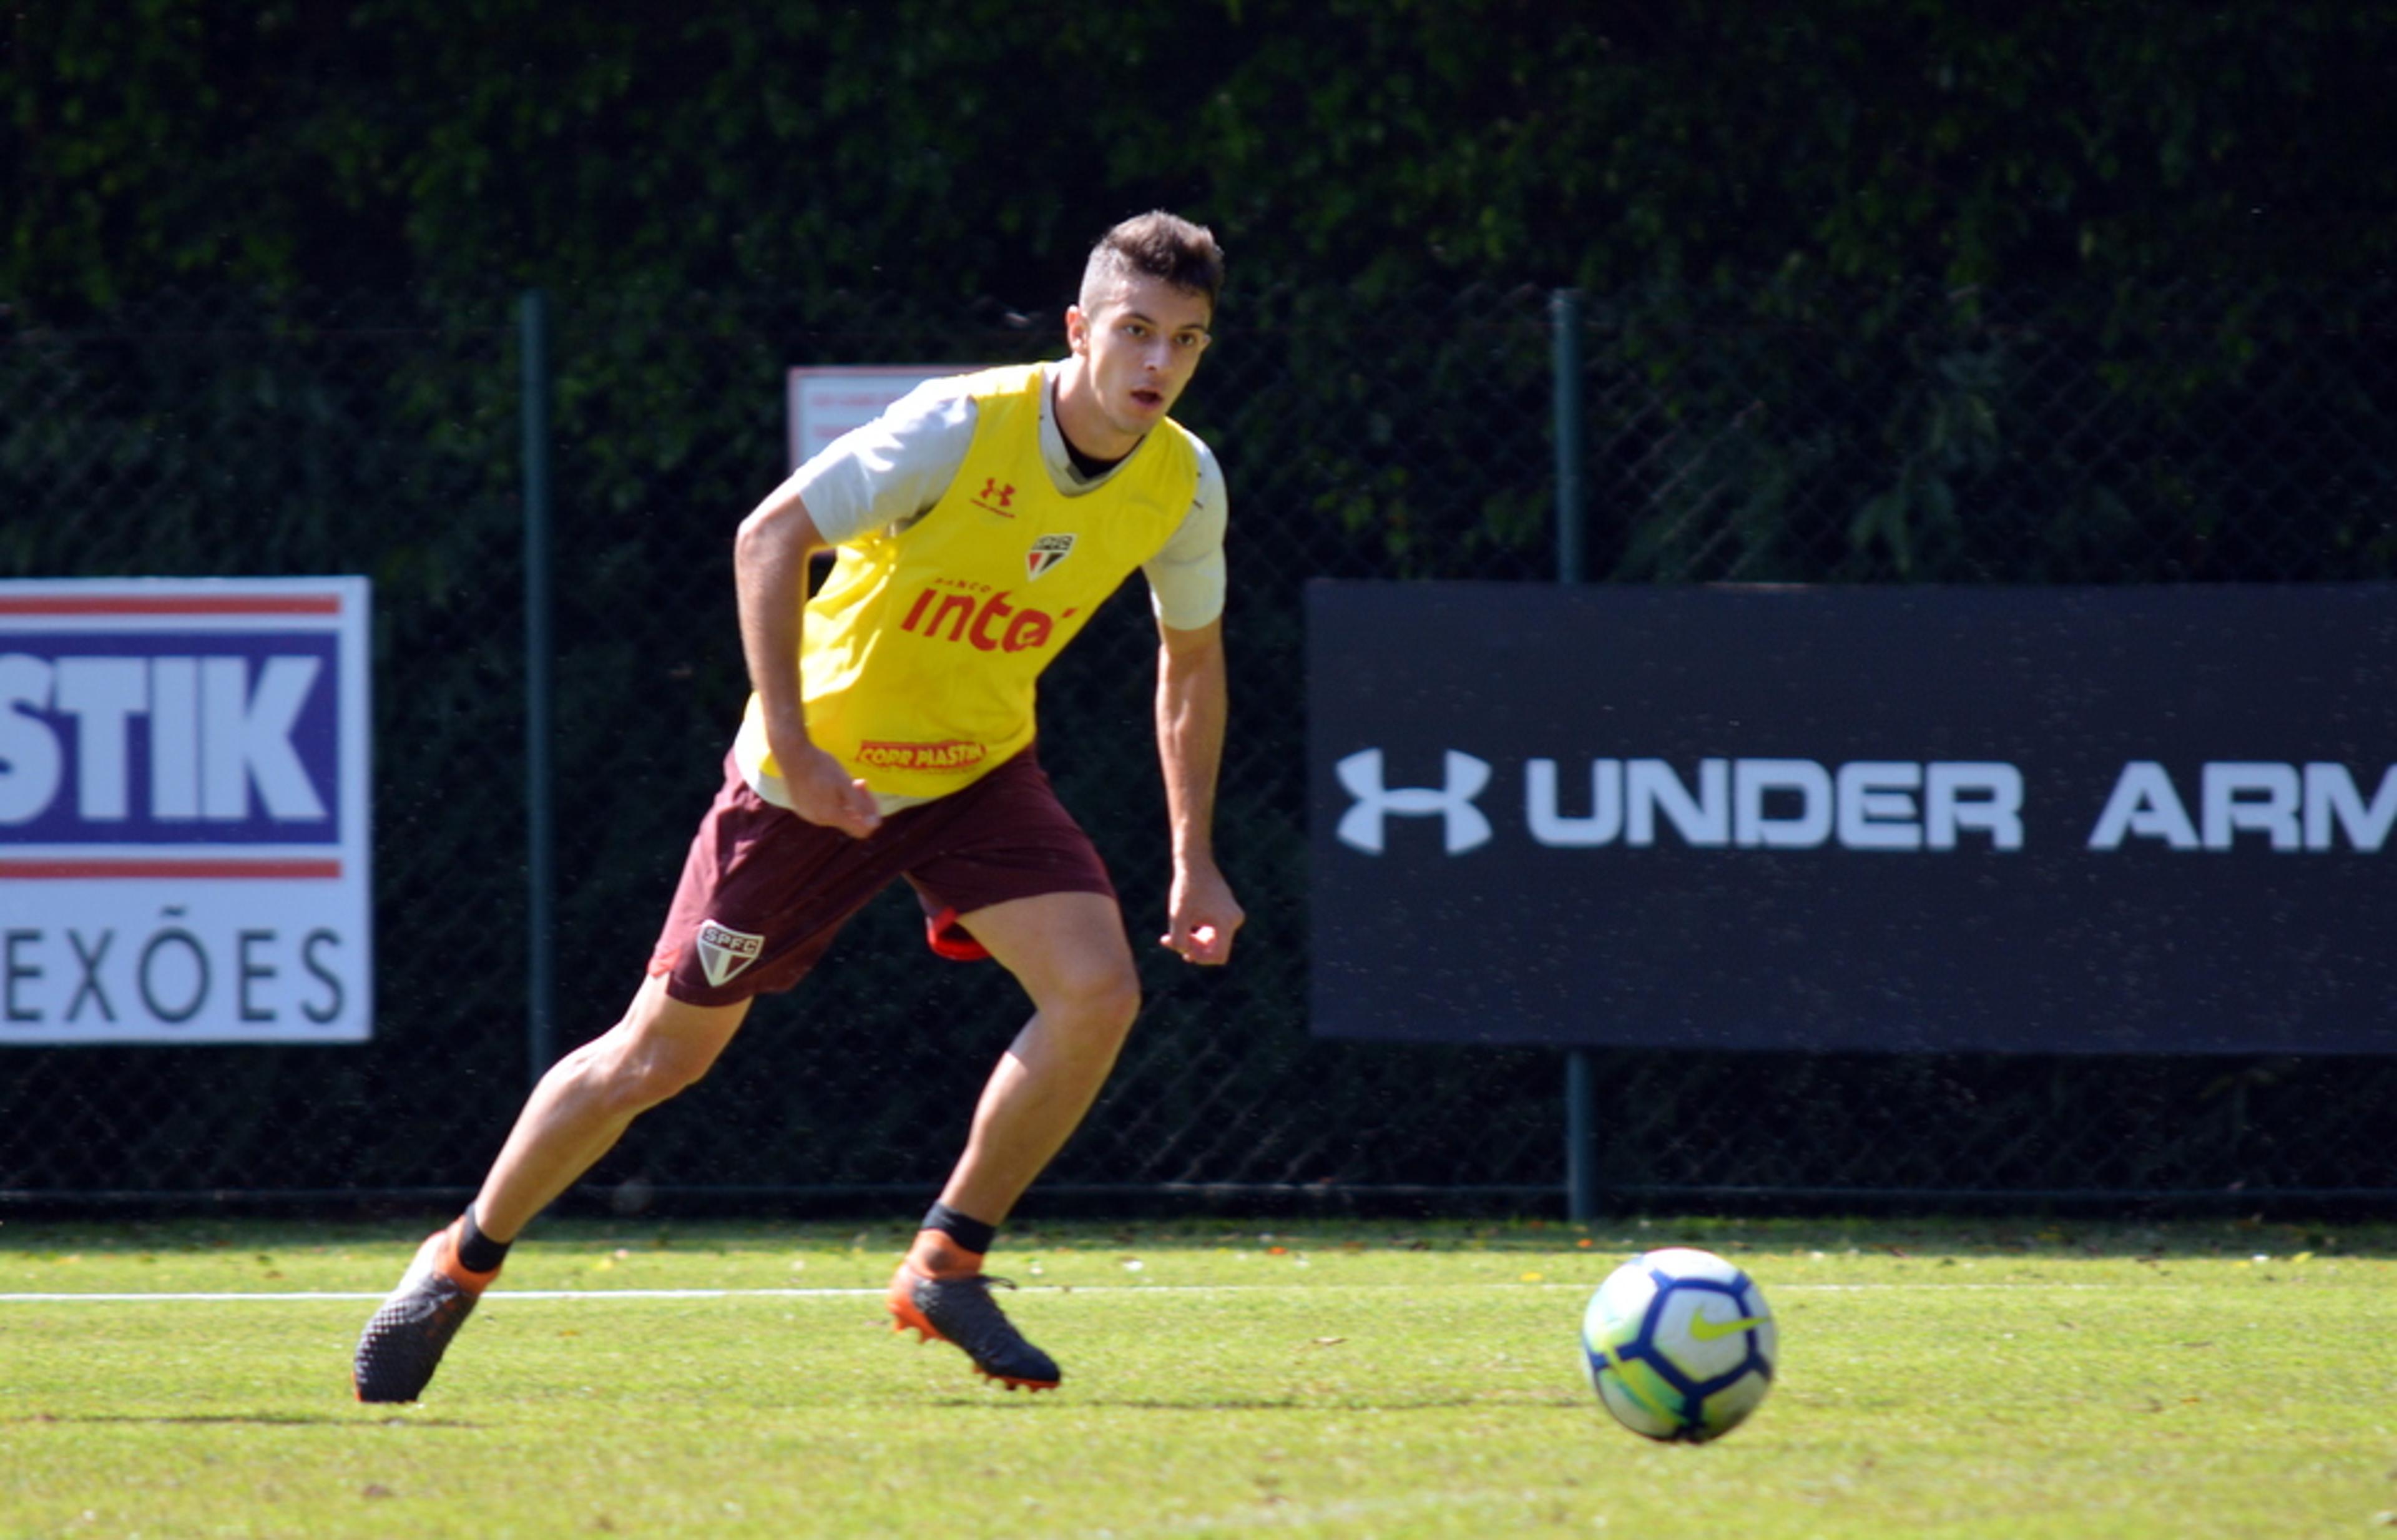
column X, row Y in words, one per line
column 892, row 471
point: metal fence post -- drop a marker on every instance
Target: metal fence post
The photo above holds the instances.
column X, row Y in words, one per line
column 540, row 832
column 1564, row 320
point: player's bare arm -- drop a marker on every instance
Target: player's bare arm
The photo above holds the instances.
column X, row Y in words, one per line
column 769, row 563
column 1193, row 700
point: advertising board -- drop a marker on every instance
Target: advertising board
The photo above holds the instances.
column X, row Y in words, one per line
column 185, row 848
column 2029, row 820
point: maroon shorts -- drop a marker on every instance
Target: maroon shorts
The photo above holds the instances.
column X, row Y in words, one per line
column 764, row 891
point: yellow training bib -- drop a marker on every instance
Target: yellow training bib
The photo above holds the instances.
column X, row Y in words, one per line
column 922, row 652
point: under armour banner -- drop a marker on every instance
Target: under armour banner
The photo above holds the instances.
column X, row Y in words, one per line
column 1923, row 819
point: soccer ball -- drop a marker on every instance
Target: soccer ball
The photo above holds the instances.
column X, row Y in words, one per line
column 1679, row 1345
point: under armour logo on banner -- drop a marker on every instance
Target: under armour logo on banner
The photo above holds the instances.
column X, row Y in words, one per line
column 1464, row 825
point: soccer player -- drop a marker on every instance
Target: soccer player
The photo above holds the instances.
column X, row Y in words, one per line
column 977, row 524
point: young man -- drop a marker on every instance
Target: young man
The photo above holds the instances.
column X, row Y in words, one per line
column 978, row 524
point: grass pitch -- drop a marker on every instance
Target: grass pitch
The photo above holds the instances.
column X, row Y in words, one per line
column 1359, row 1379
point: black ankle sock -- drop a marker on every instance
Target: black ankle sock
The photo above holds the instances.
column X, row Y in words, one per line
column 966, row 1231
column 477, row 1252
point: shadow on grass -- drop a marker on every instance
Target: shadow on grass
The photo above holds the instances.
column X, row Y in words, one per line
column 1277, row 1403
column 234, row 1419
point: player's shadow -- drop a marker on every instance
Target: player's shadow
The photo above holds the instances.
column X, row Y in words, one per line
column 1276, row 1403
column 239, row 1419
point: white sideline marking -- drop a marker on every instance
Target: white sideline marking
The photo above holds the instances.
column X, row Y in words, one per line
column 509, row 1295
column 495, row 1296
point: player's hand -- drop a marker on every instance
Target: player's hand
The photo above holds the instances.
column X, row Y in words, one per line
column 1201, row 916
column 822, row 792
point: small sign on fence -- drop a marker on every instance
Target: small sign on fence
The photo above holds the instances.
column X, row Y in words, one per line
column 2137, row 820
column 186, row 854
column 822, row 401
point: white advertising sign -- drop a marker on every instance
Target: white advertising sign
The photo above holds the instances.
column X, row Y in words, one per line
column 826, row 402
column 184, row 840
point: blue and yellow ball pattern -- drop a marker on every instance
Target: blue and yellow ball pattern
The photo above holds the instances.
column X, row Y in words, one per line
column 1679, row 1345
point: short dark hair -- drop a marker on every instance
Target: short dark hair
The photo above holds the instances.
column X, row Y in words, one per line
column 1159, row 244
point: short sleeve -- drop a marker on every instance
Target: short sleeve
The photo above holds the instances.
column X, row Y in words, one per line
column 1186, row 577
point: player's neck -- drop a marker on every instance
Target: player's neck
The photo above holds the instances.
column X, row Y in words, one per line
column 1089, row 437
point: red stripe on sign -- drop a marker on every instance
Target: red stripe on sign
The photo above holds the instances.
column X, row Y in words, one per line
column 188, row 604
column 35, row 869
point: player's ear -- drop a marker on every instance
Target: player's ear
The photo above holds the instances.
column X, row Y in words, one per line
column 1078, row 329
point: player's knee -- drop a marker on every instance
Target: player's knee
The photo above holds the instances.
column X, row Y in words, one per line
column 663, row 1078
column 633, row 1073
column 1101, row 997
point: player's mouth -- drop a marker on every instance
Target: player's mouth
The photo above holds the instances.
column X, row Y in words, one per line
column 1148, row 400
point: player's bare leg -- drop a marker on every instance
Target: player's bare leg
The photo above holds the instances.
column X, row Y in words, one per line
column 590, row 1097
column 1069, row 952
column 575, row 1116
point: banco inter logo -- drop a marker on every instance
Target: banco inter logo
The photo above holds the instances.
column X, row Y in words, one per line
column 955, row 610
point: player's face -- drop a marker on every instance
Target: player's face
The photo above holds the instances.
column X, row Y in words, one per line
column 1137, row 344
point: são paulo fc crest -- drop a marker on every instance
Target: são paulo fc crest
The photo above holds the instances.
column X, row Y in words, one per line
column 1047, row 552
column 724, row 952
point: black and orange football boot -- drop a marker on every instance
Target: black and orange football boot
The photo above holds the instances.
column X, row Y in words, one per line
column 959, row 1311
column 402, row 1345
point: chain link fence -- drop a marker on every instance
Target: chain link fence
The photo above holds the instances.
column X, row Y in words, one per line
column 1914, row 436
